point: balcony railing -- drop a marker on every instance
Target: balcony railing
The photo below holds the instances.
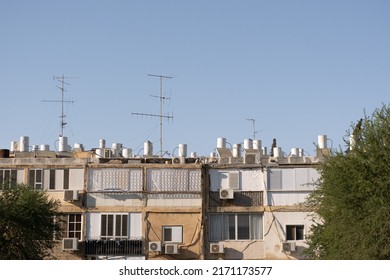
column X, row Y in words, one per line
column 113, row 247
column 241, row 198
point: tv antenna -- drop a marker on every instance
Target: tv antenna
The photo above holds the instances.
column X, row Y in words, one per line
column 61, row 79
column 161, row 115
column 254, row 127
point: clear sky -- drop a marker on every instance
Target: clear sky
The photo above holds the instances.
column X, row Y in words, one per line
column 298, row 68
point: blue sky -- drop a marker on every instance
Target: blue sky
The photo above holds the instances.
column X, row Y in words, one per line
column 299, row 68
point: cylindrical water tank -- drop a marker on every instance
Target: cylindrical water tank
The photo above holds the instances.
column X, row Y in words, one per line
column 301, row 152
column 221, row 142
column 99, row 153
column 78, row 146
column 63, row 144
column 14, row 146
column 212, row 154
column 277, row 151
column 294, row 152
column 116, row 149
column 193, row 154
column 248, row 144
column 257, row 144
column 34, row 148
column 23, row 144
column 4, row 153
column 182, row 150
column 148, row 148
column 322, row 141
column 237, row 150
column 44, row 147
column 102, row 143
column 127, row 153
column 264, row 151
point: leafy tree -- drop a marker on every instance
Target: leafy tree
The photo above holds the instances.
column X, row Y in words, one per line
column 27, row 224
column 352, row 201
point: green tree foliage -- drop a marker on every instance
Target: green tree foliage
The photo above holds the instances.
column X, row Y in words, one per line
column 352, row 201
column 27, row 224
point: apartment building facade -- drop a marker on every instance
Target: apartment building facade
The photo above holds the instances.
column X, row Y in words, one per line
column 124, row 207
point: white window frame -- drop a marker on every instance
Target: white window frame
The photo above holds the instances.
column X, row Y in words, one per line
column 224, row 225
column 74, row 228
column 7, row 176
column 175, row 235
column 295, row 229
column 37, row 184
column 111, row 231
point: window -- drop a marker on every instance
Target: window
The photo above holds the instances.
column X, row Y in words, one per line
column 35, row 178
column 52, row 182
column 114, row 226
column 7, row 177
column 294, row 232
column 56, row 179
column 172, row 234
column 235, row 227
column 66, row 179
column 71, row 226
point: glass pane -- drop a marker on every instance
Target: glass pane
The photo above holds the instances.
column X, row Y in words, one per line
column 232, row 227
column 52, row 183
column 31, row 178
column 6, row 176
column 299, row 233
column 124, row 225
column 216, row 228
column 167, row 234
column 66, row 179
column 38, row 174
column 243, row 226
column 103, row 231
column 14, row 175
column 78, row 218
column 290, row 232
column 256, row 226
column 110, row 225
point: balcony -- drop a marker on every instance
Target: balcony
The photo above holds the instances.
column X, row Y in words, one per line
column 113, row 247
column 241, row 198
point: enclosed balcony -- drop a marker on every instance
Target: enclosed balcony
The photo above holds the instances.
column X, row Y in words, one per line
column 113, row 247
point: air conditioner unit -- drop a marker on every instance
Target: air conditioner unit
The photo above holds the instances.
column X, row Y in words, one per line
column 155, row 246
column 226, row 193
column 216, row 248
column 289, row 247
column 70, row 244
column 171, row 249
column 70, row 195
column 179, row 160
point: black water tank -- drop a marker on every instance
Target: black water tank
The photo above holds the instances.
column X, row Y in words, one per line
column 4, row 153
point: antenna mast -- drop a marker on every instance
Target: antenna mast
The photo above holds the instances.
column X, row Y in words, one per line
column 161, row 115
column 254, row 127
column 61, row 79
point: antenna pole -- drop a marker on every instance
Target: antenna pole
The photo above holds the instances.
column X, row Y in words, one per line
column 161, row 115
column 254, row 127
column 61, row 79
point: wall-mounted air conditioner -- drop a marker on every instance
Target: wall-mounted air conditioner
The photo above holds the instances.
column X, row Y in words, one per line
column 70, row 244
column 216, row 248
column 289, row 247
column 171, row 249
column 70, row 195
column 226, row 193
column 155, row 246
